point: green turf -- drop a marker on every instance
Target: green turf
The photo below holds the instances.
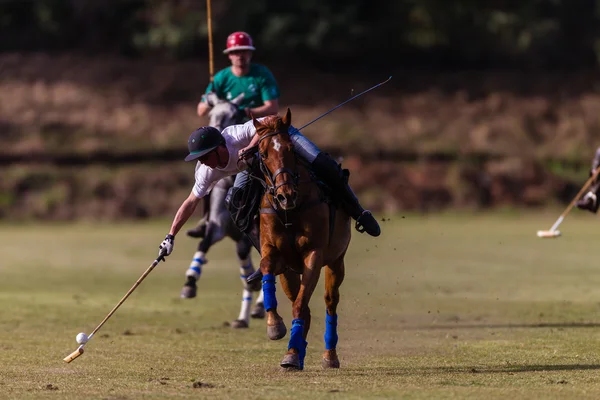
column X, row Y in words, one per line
column 441, row 306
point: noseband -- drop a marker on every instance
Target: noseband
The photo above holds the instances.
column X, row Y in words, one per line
column 272, row 188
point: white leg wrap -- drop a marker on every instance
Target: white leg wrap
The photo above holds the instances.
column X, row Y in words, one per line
column 195, row 269
column 261, row 297
column 246, row 269
column 245, row 310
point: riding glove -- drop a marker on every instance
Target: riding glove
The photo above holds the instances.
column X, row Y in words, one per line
column 166, row 247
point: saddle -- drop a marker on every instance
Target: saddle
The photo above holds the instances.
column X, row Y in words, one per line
column 243, row 204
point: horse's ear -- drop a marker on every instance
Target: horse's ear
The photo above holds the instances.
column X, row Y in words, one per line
column 287, row 118
column 255, row 122
column 238, row 99
column 211, row 98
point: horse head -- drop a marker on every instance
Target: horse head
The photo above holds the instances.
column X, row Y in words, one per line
column 223, row 113
column 278, row 159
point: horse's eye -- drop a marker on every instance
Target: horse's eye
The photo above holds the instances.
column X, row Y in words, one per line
column 263, row 155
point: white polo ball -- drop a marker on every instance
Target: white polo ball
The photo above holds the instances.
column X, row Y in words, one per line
column 81, row 338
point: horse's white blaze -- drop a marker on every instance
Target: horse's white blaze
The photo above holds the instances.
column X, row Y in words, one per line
column 276, row 144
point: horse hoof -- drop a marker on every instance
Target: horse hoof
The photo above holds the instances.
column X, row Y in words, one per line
column 189, row 289
column 330, row 360
column 258, row 311
column 291, row 361
column 239, row 324
column 276, row 332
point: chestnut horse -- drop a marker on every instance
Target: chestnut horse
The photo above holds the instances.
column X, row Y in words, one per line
column 297, row 239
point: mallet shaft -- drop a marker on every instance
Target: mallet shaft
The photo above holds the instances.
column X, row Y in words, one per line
column 211, row 68
column 79, row 350
column 135, row 285
column 347, row 101
column 585, row 187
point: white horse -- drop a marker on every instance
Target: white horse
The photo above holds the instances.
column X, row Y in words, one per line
column 219, row 225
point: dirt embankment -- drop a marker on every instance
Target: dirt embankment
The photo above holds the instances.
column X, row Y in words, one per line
column 424, row 141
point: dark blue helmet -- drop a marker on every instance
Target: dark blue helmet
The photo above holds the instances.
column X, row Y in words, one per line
column 203, row 140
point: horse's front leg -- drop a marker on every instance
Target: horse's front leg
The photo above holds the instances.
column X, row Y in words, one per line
column 275, row 326
column 294, row 358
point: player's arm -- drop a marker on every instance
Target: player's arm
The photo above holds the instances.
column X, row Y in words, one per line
column 270, row 107
column 184, row 213
column 254, row 139
column 269, row 91
column 202, row 109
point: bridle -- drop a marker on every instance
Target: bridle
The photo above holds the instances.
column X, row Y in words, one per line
column 269, row 180
column 271, row 186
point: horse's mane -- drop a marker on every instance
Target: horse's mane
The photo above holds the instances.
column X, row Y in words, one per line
column 272, row 122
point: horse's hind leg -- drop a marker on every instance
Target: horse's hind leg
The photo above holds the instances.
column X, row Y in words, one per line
column 334, row 276
column 243, row 247
column 258, row 311
column 194, row 271
column 192, row 275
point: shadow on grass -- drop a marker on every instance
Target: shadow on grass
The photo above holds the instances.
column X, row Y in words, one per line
column 557, row 325
column 508, row 368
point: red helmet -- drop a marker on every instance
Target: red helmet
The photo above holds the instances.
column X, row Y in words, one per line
column 239, row 41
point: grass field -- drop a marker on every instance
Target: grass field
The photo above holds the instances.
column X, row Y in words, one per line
column 441, row 306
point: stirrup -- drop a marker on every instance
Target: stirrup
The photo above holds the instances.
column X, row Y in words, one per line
column 369, row 225
column 255, row 275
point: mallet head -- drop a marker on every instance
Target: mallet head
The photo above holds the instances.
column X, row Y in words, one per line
column 74, row 354
column 548, row 234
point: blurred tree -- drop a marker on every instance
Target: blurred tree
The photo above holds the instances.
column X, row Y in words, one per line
column 424, row 33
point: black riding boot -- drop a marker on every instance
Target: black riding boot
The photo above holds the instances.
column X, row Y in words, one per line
column 330, row 172
column 199, row 231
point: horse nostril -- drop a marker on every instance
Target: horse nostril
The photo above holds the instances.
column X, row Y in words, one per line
column 281, row 199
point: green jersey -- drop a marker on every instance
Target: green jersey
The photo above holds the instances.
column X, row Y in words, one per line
column 258, row 86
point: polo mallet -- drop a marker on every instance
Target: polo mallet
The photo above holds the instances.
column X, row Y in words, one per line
column 211, row 66
column 253, row 149
column 79, row 350
column 553, row 232
column 347, row 101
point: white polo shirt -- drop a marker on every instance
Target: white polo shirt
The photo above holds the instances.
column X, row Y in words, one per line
column 236, row 138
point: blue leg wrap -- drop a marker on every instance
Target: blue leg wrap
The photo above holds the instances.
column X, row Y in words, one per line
column 297, row 340
column 268, row 287
column 331, row 336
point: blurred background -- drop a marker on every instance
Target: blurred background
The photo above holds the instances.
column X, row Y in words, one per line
column 492, row 104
